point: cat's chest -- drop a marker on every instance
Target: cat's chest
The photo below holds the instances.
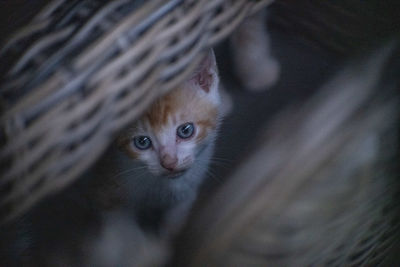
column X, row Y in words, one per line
column 159, row 191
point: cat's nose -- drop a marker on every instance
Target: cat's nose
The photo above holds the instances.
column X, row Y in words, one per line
column 169, row 162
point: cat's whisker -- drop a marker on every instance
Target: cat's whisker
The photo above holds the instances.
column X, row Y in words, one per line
column 129, row 171
column 215, row 162
column 222, row 159
column 220, row 164
column 214, row 176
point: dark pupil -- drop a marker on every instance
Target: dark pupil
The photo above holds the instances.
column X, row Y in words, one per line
column 143, row 141
column 186, row 129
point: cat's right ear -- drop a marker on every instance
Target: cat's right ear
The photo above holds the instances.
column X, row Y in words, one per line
column 206, row 75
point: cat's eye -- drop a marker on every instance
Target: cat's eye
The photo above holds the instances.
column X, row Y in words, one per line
column 142, row 142
column 185, row 130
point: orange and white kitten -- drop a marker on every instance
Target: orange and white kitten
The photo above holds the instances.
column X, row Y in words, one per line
column 163, row 157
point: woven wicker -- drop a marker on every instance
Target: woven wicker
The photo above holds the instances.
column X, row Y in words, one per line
column 82, row 70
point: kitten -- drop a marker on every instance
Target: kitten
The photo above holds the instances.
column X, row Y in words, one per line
column 163, row 157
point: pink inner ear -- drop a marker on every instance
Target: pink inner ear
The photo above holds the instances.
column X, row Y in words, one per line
column 203, row 76
column 204, row 80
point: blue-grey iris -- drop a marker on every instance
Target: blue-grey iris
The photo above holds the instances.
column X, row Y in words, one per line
column 185, row 130
column 142, row 142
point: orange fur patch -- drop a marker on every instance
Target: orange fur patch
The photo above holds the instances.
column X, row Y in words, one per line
column 204, row 126
column 161, row 110
column 188, row 106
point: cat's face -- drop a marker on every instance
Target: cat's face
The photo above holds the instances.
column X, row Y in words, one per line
column 171, row 134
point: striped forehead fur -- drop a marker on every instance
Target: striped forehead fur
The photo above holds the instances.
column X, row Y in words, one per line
column 182, row 104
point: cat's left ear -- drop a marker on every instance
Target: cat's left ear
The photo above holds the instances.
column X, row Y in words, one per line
column 206, row 75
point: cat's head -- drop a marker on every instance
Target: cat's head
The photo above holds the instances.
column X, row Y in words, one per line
column 170, row 135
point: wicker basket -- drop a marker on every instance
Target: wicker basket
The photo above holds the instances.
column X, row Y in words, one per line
column 82, row 70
